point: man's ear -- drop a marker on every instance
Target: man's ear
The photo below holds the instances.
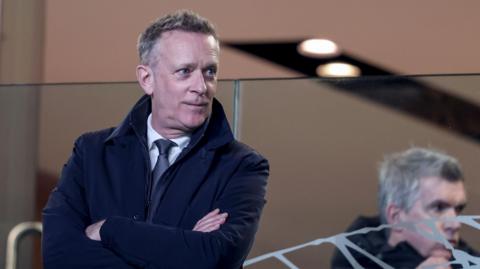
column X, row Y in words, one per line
column 145, row 78
column 393, row 214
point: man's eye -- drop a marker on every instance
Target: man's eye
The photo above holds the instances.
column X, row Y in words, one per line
column 440, row 207
column 211, row 72
column 184, row 71
column 459, row 208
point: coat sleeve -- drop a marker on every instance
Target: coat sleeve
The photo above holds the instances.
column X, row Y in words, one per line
column 65, row 217
column 172, row 247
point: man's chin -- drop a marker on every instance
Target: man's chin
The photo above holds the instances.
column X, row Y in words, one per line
column 193, row 123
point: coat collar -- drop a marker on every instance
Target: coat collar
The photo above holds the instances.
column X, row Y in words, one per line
column 215, row 128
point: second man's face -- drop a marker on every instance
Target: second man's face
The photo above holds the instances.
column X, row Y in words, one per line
column 438, row 198
column 184, row 67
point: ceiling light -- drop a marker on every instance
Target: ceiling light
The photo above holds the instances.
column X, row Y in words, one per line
column 318, row 48
column 338, row 69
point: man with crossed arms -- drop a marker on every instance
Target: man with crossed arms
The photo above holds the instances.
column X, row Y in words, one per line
column 112, row 208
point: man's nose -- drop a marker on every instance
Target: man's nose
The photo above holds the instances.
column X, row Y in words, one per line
column 199, row 84
column 451, row 223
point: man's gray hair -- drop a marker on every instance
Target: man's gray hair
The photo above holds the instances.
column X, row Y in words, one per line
column 183, row 20
column 400, row 174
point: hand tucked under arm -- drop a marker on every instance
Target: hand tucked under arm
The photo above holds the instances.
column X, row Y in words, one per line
column 211, row 222
column 93, row 230
column 435, row 262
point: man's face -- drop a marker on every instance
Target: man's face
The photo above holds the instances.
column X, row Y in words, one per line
column 182, row 81
column 437, row 198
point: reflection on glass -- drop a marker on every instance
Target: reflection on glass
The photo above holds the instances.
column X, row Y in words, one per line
column 354, row 252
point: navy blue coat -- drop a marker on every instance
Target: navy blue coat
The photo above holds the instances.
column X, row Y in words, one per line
column 108, row 177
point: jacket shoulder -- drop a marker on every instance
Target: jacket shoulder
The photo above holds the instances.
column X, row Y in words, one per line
column 372, row 242
column 243, row 151
column 95, row 137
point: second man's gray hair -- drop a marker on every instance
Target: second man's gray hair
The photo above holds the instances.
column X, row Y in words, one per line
column 400, row 174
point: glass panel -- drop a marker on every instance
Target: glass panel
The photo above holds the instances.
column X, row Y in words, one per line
column 324, row 139
column 39, row 126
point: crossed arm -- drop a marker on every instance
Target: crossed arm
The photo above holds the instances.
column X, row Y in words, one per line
column 209, row 223
column 213, row 242
column 66, row 246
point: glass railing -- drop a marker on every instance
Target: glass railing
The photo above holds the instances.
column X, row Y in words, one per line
column 324, row 139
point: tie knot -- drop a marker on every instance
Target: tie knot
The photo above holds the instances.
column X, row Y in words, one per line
column 164, row 145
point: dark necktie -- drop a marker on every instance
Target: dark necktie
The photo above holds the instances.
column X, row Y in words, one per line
column 162, row 164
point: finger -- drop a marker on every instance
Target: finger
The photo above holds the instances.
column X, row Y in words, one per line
column 210, row 214
column 207, row 225
column 213, row 228
column 436, row 262
column 220, row 219
column 216, row 220
column 211, row 218
column 206, row 228
column 210, row 228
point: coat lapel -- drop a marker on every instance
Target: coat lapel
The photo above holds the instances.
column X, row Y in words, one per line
column 185, row 181
column 126, row 174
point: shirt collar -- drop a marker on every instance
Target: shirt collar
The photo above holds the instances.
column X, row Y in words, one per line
column 153, row 136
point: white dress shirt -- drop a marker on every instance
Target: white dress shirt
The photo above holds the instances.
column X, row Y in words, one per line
column 174, row 151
